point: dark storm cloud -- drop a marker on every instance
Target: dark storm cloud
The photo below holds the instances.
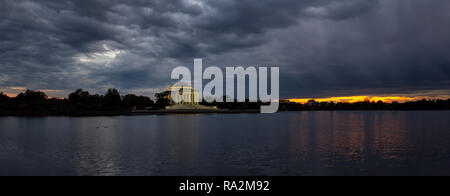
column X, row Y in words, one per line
column 397, row 47
column 322, row 46
column 341, row 10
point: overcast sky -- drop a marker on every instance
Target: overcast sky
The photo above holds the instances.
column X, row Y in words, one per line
column 323, row 47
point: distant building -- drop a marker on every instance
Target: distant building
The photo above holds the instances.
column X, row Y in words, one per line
column 187, row 95
column 190, row 99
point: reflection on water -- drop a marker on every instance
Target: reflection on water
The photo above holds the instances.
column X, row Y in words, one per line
column 294, row 143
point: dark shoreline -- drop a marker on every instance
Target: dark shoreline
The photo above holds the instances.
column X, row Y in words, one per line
column 155, row 112
column 117, row 113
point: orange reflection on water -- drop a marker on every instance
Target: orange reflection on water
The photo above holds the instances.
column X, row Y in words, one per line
column 333, row 139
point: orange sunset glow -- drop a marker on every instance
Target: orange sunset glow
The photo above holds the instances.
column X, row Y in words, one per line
column 354, row 99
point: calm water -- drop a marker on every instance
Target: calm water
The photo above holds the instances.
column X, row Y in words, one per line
column 295, row 143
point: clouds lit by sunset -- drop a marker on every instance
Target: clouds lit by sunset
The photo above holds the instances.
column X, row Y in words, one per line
column 354, row 99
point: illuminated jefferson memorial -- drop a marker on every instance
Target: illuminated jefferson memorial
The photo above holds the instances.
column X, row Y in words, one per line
column 190, row 99
column 185, row 93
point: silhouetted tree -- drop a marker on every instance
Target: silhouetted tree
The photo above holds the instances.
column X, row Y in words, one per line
column 84, row 101
column 79, row 96
column 29, row 100
column 32, row 96
column 162, row 99
column 3, row 97
column 130, row 101
column 138, row 102
column 96, row 99
column 112, row 99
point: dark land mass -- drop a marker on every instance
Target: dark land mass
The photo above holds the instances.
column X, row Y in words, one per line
column 82, row 103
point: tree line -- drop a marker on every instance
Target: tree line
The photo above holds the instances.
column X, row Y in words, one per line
column 112, row 101
column 79, row 100
column 424, row 104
